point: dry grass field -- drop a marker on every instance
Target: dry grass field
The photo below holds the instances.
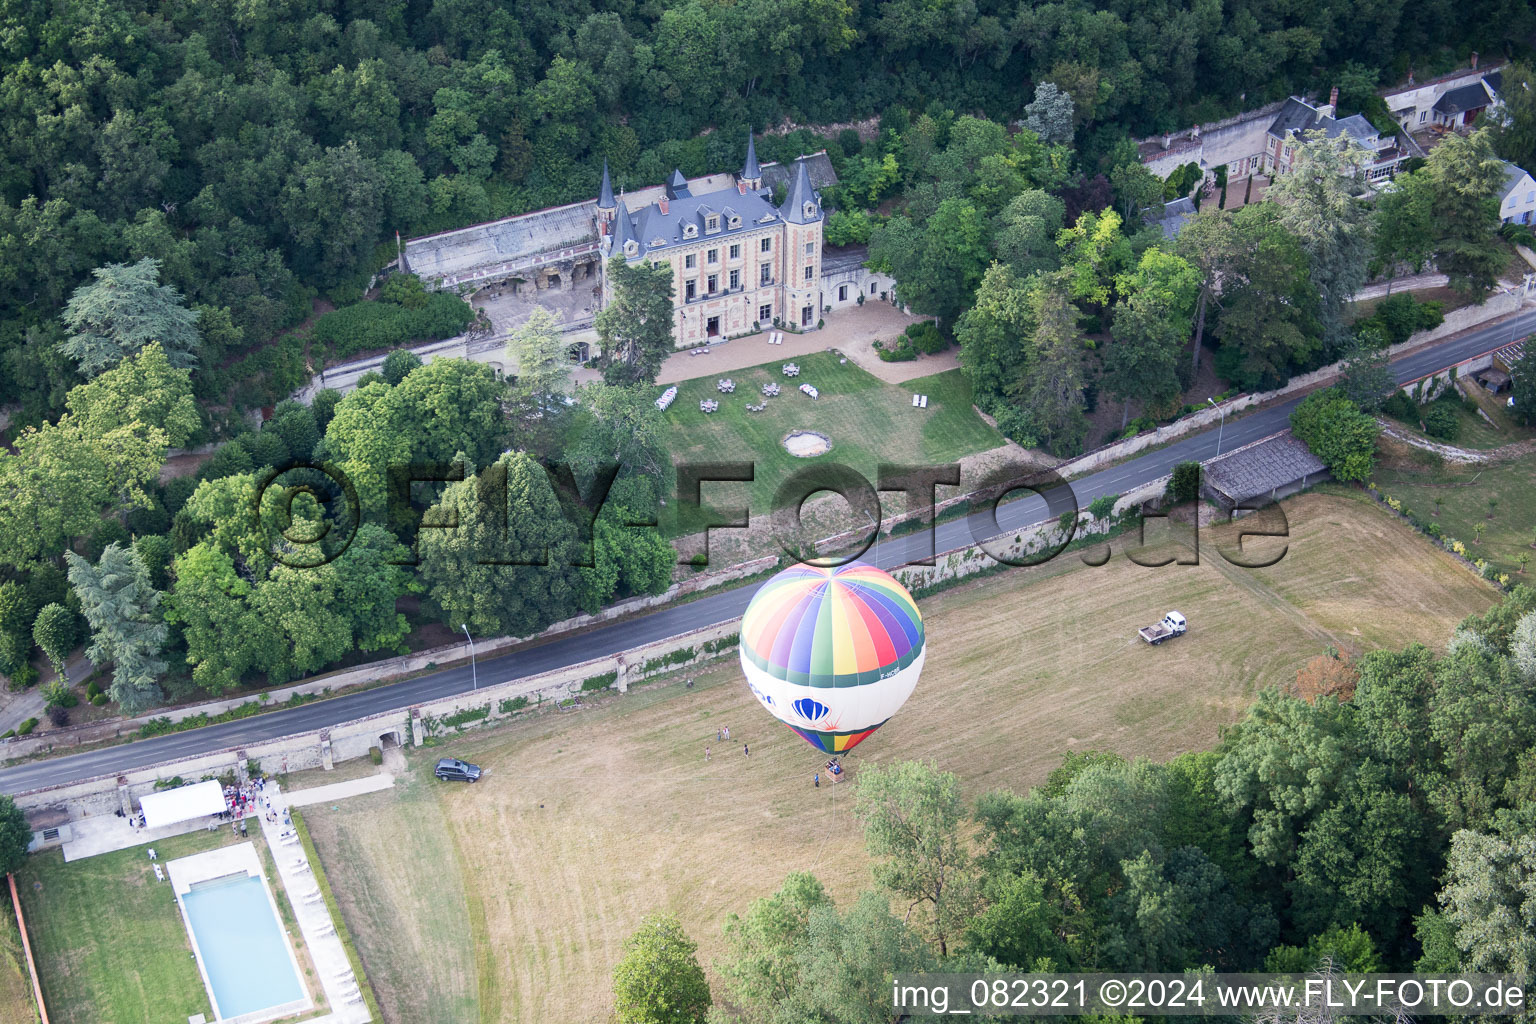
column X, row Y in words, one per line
column 509, row 900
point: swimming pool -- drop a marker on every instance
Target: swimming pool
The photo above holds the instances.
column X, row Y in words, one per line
column 243, row 949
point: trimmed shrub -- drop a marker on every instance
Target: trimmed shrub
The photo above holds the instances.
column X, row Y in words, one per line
column 1184, row 485
column 1441, row 421
column 26, row 727
column 1401, row 407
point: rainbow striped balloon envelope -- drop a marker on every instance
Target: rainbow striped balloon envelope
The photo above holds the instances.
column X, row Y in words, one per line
column 832, row 651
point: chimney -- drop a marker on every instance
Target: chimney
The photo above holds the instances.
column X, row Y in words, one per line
column 1194, row 132
column 1474, row 60
column 662, row 204
column 1333, row 100
column 1167, row 141
column 741, row 188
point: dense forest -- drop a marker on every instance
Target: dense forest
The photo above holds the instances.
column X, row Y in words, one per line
column 263, row 152
column 1374, row 816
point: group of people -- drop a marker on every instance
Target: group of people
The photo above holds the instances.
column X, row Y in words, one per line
column 724, row 733
column 249, row 798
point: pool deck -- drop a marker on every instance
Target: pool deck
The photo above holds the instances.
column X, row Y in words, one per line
column 332, row 968
column 241, row 858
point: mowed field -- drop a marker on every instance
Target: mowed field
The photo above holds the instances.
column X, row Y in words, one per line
column 510, row 900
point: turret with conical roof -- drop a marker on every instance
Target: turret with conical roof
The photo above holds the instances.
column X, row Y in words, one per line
column 605, row 204
column 626, row 240
column 751, row 172
column 605, row 194
column 802, row 205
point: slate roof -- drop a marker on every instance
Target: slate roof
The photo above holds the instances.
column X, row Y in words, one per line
column 1261, row 467
column 677, row 185
column 1512, row 176
column 1295, row 116
column 801, row 193
column 655, row 230
column 1301, row 117
column 751, row 170
column 818, row 165
column 1175, row 214
column 464, row 250
column 1468, row 97
column 605, row 193
column 1494, row 81
column 837, row 261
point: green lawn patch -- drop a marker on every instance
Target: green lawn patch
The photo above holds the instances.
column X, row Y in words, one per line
column 109, row 939
column 867, row 420
column 1460, row 495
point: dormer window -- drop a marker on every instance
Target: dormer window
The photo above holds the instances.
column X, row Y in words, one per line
column 810, row 209
column 689, row 231
column 712, row 223
column 631, row 248
column 735, row 222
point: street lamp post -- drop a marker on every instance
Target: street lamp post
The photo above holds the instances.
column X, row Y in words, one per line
column 474, row 677
column 1220, row 426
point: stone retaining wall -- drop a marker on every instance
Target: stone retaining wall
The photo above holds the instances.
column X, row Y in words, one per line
column 1456, row 321
column 375, row 671
column 451, row 716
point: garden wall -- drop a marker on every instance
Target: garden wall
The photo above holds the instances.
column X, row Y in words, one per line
column 1456, row 321
column 374, row 671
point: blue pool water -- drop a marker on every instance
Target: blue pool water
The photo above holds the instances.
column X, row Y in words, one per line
column 242, row 945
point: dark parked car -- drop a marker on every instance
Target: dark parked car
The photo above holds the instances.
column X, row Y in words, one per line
column 456, row 771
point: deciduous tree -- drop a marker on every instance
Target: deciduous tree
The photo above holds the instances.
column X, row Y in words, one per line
column 912, row 815
column 659, row 980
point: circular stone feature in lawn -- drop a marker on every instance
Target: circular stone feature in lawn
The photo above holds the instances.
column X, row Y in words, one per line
column 806, row 444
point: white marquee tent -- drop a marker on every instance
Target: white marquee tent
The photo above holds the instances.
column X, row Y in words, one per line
column 183, row 803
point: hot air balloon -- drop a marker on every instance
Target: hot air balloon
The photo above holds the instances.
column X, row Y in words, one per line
column 832, row 651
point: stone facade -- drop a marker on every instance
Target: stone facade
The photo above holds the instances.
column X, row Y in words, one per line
column 739, row 262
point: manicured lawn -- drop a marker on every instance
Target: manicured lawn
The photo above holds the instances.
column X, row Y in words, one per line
column 109, row 940
column 867, row 420
column 1463, row 493
column 511, row 899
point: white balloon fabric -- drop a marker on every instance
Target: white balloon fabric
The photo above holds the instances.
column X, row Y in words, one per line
column 832, row 651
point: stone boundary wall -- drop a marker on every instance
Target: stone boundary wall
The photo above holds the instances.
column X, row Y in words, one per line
column 376, row 671
column 451, row 716
column 1456, row 321
column 319, row 748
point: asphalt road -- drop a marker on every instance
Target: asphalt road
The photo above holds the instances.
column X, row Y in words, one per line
column 719, row 607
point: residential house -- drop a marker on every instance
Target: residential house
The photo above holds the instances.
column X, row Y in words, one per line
column 1517, row 203
column 1297, row 118
column 1451, row 100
